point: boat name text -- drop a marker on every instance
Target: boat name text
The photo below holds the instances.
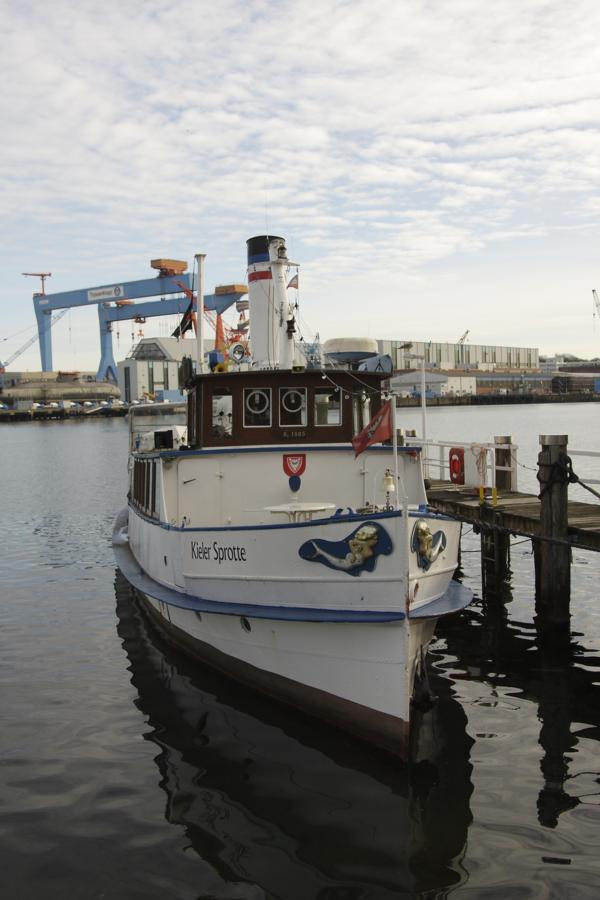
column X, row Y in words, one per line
column 214, row 551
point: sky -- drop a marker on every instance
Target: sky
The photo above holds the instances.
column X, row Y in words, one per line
column 434, row 166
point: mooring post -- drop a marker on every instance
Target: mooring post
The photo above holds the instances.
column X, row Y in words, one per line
column 504, row 479
column 495, row 543
column 553, row 553
column 495, row 553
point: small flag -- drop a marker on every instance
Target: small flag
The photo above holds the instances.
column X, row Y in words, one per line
column 294, row 282
column 186, row 321
column 378, row 429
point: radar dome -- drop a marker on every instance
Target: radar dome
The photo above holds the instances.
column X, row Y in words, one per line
column 350, row 351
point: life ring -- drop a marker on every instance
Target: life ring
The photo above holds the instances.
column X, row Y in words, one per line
column 456, row 462
column 237, row 352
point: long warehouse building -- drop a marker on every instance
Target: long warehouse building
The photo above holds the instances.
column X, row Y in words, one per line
column 458, row 356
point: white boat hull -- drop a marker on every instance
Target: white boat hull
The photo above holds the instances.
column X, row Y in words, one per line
column 350, row 660
column 352, row 676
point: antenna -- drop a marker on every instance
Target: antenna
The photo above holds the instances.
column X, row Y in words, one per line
column 42, row 275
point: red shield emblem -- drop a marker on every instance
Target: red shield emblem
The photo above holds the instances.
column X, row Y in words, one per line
column 294, row 463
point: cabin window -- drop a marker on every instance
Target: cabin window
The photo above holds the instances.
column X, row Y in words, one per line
column 144, row 485
column 147, row 478
column 257, row 407
column 328, row 406
column 152, row 503
column 292, row 406
column 222, row 414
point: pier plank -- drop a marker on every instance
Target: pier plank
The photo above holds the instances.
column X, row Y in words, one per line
column 516, row 512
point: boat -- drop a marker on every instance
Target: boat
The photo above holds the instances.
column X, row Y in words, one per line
column 285, row 538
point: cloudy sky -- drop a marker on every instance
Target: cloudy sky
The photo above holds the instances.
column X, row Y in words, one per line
column 434, row 166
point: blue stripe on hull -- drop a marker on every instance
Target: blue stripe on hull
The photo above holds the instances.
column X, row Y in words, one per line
column 278, row 448
column 455, row 598
column 147, row 585
column 420, row 513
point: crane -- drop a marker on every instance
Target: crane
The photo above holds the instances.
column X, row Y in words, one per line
column 42, row 275
column 596, row 303
column 225, row 335
column 31, row 341
column 463, row 337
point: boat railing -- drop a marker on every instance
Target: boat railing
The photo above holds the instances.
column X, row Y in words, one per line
column 490, row 465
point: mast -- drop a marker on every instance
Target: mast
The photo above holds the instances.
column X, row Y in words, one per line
column 200, row 257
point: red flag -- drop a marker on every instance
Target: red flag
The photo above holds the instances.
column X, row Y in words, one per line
column 378, row 429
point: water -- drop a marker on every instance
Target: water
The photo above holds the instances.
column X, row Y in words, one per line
column 130, row 772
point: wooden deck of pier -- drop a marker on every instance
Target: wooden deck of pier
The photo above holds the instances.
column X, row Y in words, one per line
column 516, row 512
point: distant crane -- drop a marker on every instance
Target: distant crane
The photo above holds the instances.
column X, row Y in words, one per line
column 42, row 275
column 596, row 303
column 32, row 340
column 461, row 344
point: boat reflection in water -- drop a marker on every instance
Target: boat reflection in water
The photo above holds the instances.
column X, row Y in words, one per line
column 554, row 671
column 280, row 805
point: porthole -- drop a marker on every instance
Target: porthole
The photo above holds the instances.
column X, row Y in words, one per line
column 292, row 401
column 246, row 626
column 257, row 402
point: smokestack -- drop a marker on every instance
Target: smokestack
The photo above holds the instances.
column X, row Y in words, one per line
column 271, row 339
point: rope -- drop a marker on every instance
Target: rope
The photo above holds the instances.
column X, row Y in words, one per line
column 482, row 526
column 561, row 472
column 574, row 479
column 481, row 461
column 588, row 488
column 478, row 527
column 523, row 466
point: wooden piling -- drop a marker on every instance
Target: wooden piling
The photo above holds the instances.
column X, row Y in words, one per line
column 504, row 480
column 553, row 553
column 495, row 542
column 495, row 553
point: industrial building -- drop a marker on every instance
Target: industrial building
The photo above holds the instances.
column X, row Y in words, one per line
column 437, row 383
column 152, row 367
column 407, row 354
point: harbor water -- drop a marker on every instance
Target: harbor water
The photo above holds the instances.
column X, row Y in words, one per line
column 129, row 771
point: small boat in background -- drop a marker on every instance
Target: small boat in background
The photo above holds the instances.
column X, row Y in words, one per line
column 288, row 541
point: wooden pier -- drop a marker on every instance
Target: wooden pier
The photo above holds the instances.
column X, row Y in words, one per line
column 516, row 513
column 553, row 523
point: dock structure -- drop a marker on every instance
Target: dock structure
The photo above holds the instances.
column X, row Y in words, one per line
column 45, row 414
column 497, row 511
column 516, row 513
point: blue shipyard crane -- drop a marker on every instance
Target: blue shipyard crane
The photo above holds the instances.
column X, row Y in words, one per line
column 115, row 303
column 53, row 320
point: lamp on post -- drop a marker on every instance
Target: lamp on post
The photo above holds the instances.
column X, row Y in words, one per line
column 421, row 358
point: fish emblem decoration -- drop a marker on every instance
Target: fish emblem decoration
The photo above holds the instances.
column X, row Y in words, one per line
column 355, row 554
column 426, row 545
